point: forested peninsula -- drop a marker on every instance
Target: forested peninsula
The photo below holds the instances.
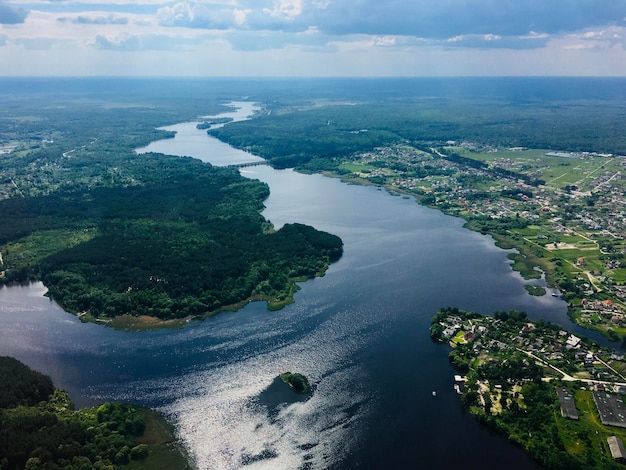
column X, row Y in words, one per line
column 112, row 233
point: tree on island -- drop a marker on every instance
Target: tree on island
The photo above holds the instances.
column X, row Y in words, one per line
column 298, row 382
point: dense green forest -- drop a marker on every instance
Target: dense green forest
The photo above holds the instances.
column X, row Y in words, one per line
column 187, row 241
column 315, row 137
column 111, row 232
column 40, row 429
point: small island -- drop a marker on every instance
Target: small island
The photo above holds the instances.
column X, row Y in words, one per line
column 298, row 382
column 212, row 122
column 535, row 290
column 557, row 395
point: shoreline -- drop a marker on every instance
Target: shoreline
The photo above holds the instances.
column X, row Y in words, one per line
column 140, row 322
column 520, row 262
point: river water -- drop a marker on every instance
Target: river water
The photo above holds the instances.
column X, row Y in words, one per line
column 360, row 334
column 193, row 142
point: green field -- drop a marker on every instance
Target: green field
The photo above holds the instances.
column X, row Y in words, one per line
column 557, row 172
column 356, row 167
column 459, row 338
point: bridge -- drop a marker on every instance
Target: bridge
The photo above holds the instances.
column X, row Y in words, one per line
column 244, row 165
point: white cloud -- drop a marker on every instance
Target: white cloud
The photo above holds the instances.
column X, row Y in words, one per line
column 148, row 42
column 609, row 34
column 327, row 37
column 384, row 41
column 579, row 47
column 190, row 15
column 285, row 9
column 119, row 43
column 605, row 38
column 495, row 41
column 240, row 15
column 94, row 20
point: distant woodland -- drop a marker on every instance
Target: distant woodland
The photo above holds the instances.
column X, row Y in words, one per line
column 327, row 133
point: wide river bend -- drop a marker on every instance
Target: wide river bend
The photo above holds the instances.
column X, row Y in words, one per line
column 360, row 334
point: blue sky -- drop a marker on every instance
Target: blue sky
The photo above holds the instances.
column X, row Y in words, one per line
column 313, row 37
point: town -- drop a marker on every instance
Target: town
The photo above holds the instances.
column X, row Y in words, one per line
column 519, row 373
column 562, row 212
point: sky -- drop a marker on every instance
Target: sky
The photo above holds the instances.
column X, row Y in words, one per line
column 284, row 38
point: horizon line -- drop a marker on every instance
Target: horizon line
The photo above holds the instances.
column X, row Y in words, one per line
column 314, row 77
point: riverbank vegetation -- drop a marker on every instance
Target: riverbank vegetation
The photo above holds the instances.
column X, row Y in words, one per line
column 42, row 430
column 550, row 392
column 114, row 233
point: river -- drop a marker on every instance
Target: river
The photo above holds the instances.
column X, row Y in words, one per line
column 193, row 142
column 360, row 334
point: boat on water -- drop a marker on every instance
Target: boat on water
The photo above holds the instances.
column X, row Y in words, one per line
column 434, row 393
